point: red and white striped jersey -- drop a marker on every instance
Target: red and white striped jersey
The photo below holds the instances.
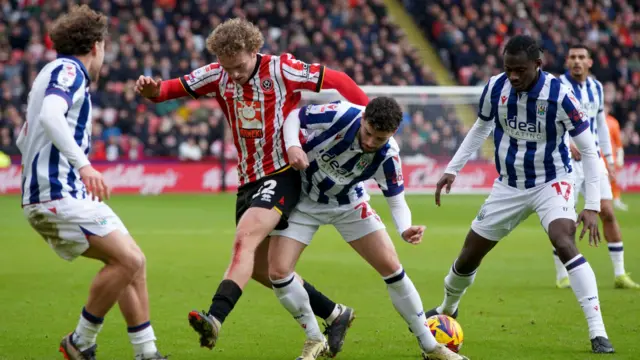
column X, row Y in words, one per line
column 256, row 110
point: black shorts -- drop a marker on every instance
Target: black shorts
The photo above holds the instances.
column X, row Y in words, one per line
column 280, row 191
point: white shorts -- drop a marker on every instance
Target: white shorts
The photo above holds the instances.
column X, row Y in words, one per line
column 506, row 207
column 351, row 221
column 605, row 185
column 65, row 224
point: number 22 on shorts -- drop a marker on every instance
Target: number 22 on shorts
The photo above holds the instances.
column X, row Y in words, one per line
column 563, row 189
column 366, row 211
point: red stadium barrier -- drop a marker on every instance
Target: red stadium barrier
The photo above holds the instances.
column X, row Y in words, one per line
column 206, row 177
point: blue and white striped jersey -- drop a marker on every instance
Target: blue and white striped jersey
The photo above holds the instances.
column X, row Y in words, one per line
column 529, row 136
column 337, row 165
column 590, row 94
column 46, row 173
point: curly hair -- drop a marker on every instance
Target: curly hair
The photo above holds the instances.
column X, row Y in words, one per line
column 76, row 32
column 383, row 114
column 234, row 36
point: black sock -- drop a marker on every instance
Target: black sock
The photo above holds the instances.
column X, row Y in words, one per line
column 321, row 305
column 224, row 299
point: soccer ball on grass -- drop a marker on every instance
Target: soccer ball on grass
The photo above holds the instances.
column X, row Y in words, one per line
column 447, row 331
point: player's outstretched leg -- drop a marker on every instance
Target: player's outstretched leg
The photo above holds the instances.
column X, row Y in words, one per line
column 254, row 226
column 378, row 250
column 134, row 305
column 283, row 256
column 462, row 273
column 616, row 250
column 583, row 281
column 337, row 317
column 123, row 260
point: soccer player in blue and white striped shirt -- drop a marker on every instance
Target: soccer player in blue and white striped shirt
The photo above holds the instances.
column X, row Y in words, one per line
column 346, row 145
column 530, row 112
column 590, row 93
column 62, row 193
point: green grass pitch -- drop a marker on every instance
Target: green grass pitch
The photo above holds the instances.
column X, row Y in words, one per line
column 513, row 311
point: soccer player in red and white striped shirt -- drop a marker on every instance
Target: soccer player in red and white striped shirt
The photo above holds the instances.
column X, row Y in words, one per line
column 257, row 92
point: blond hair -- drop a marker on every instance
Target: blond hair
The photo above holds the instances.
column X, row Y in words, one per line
column 234, row 36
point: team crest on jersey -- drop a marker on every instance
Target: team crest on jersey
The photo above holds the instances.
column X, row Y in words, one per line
column 362, row 164
column 250, row 115
column 267, row 85
column 542, row 109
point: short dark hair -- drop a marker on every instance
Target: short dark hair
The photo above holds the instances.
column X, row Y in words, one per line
column 76, row 32
column 580, row 46
column 383, row 114
column 524, row 43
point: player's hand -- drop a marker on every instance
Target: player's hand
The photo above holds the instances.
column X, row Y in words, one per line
column 575, row 153
column 446, row 179
column 298, row 158
column 413, row 235
column 590, row 220
column 94, row 183
column 148, row 87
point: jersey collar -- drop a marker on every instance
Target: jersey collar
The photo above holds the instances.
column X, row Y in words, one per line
column 79, row 63
column 538, row 86
column 572, row 80
column 255, row 70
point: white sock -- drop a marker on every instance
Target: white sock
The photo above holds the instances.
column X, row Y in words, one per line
column 143, row 339
column 295, row 299
column 561, row 271
column 584, row 285
column 616, row 251
column 87, row 330
column 455, row 285
column 406, row 300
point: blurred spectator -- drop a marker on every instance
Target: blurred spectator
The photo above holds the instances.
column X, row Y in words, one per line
column 165, row 39
column 469, row 35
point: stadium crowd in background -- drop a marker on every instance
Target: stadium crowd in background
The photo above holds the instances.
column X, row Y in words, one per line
column 469, row 35
column 166, row 38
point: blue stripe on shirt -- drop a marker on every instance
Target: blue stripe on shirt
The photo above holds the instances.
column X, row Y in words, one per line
column 34, row 188
column 344, row 121
column 323, row 187
column 510, row 159
column 532, row 146
column 369, row 171
column 552, row 111
column 312, row 119
column 54, row 172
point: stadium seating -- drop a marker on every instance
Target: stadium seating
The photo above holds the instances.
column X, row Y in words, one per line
column 354, row 36
column 469, row 35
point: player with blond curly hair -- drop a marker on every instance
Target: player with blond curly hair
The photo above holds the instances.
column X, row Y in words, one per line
column 257, row 92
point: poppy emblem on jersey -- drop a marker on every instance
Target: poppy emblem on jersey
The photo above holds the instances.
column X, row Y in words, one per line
column 504, row 99
column 542, row 109
column 267, row 85
column 250, row 115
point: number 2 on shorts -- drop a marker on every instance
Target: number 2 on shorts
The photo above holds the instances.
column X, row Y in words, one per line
column 559, row 189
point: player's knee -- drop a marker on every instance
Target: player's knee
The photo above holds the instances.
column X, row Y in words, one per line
column 606, row 214
column 278, row 271
column 133, row 262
